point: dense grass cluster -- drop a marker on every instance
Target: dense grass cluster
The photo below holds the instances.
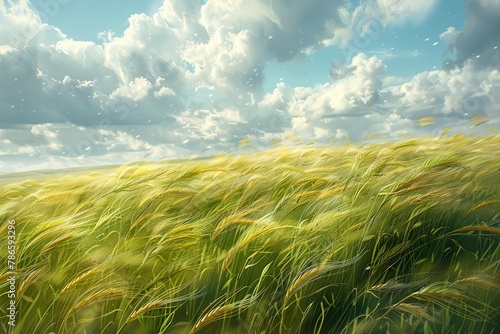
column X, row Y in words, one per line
column 394, row 237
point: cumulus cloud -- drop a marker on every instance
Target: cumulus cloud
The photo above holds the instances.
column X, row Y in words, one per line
column 451, row 36
column 136, row 90
column 49, row 78
column 335, row 109
column 357, row 103
column 352, row 93
column 164, row 91
column 191, row 76
column 148, row 48
column 243, row 37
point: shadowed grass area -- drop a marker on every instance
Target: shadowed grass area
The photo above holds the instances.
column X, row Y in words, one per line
column 376, row 238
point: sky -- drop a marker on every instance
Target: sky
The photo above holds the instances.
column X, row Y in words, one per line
column 86, row 83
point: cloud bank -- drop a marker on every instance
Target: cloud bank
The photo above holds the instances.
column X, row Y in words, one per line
column 192, row 76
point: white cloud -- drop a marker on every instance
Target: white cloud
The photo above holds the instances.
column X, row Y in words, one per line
column 148, row 48
column 358, row 104
column 128, row 142
column 402, row 11
column 395, row 81
column 301, row 126
column 43, row 130
column 355, row 88
column 340, row 134
column 5, row 49
column 192, row 76
column 164, row 91
column 227, row 63
column 243, row 37
column 184, row 18
column 136, row 90
column 65, row 145
column 451, row 35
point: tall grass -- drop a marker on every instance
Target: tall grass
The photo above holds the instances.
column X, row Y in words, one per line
column 386, row 237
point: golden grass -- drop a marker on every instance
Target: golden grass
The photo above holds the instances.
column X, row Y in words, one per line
column 394, row 236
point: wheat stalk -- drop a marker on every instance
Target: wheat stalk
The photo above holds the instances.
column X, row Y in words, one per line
column 107, row 294
column 415, row 309
column 224, row 311
column 80, row 278
column 148, row 307
column 481, row 206
column 51, row 245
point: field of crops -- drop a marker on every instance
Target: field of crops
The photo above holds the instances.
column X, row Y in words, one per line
column 393, row 237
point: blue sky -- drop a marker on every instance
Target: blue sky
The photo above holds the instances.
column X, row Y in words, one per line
column 91, row 82
column 397, row 44
column 83, row 20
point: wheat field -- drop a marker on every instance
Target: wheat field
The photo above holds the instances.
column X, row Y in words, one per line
column 378, row 237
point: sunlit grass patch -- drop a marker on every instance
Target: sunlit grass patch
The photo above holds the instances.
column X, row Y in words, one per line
column 373, row 238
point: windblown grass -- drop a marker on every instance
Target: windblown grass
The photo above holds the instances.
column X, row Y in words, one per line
column 375, row 238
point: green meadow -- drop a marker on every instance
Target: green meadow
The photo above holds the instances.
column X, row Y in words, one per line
column 375, row 237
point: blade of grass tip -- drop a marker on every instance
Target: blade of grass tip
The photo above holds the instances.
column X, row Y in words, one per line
column 481, row 206
column 103, row 295
column 161, row 303
column 80, row 278
column 481, row 281
column 313, row 273
column 33, row 276
column 415, row 309
column 224, row 311
column 392, row 307
column 426, row 119
column 480, row 123
column 53, row 244
column 445, row 132
column 476, row 118
column 479, row 228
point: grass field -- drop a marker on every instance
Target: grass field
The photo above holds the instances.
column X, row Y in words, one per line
column 393, row 237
